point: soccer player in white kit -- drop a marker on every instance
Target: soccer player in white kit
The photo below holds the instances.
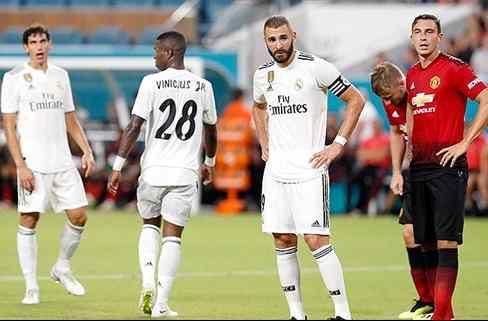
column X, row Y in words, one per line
column 290, row 112
column 38, row 112
column 177, row 107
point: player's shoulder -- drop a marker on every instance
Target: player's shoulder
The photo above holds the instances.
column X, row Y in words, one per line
column 266, row 66
column 57, row 69
column 306, row 57
column 16, row 71
column 454, row 61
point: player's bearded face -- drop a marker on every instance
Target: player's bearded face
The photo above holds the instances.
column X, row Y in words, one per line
column 37, row 48
column 425, row 37
column 280, row 43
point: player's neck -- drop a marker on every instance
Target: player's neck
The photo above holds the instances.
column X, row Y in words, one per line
column 38, row 66
column 426, row 61
column 289, row 61
column 177, row 65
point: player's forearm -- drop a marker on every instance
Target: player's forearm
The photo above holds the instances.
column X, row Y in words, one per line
column 12, row 140
column 75, row 130
column 397, row 145
column 355, row 103
column 259, row 116
column 210, row 140
column 130, row 135
column 480, row 120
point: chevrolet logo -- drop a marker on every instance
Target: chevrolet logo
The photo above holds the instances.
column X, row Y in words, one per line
column 421, row 99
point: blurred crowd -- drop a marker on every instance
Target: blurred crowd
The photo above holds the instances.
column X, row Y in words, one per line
column 363, row 171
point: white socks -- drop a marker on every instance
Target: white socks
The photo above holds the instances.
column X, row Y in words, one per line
column 289, row 273
column 168, row 266
column 69, row 242
column 149, row 245
column 27, row 251
column 331, row 271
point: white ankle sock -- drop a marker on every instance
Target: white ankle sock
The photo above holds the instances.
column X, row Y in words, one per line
column 332, row 275
column 69, row 242
column 149, row 245
column 289, row 273
column 27, row 252
column 169, row 263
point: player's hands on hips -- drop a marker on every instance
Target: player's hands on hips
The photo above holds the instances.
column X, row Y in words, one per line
column 27, row 179
column 396, row 183
column 87, row 163
column 113, row 182
column 264, row 153
column 207, row 174
column 326, row 156
column 451, row 153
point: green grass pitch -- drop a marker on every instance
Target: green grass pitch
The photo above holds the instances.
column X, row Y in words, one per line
column 228, row 270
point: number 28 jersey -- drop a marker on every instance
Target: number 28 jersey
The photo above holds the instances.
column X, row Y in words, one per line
column 175, row 104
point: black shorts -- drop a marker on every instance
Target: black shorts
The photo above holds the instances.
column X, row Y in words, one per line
column 405, row 217
column 437, row 204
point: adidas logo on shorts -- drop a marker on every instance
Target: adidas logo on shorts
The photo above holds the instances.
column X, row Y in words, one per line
column 316, row 224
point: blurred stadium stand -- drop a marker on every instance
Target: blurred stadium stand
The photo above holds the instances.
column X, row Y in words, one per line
column 109, row 35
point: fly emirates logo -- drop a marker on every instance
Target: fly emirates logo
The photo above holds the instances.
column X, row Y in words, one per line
column 419, row 102
column 48, row 101
column 284, row 107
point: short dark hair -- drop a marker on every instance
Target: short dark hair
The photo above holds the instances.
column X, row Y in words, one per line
column 276, row 22
column 173, row 40
column 34, row 29
column 428, row 17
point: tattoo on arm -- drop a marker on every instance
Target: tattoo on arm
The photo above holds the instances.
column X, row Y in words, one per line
column 129, row 136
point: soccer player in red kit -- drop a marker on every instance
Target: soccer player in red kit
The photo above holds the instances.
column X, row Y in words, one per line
column 388, row 82
column 437, row 90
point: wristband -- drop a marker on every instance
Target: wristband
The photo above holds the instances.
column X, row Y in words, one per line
column 341, row 140
column 118, row 163
column 209, row 161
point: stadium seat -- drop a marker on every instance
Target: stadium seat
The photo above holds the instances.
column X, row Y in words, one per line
column 9, row 3
column 66, row 36
column 45, row 3
column 89, row 3
column 148, row 35
column 12, row 35
column 132, row 3
column 91, row 92
column 169, row 3
column 109, row 35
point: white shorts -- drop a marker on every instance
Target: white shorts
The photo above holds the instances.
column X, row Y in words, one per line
column 172, row 202
column 296, row 208
column 64, row 190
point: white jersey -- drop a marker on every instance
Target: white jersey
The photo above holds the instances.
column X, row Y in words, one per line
column 175, row 103
column 40, row 99
column 296, row 98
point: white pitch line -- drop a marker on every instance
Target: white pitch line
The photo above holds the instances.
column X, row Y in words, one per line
column 369, row 269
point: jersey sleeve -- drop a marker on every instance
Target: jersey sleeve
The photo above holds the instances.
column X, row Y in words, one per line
column 258, row 93
column 328, row 76
column 10, row 99
column 69, row 105
column 144, row 100
column 209, row 110
column 468, row 82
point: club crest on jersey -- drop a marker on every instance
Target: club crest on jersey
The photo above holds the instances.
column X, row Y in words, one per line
column 298, row 84
column 435, row 82
column 271, row 77
column 28, row 78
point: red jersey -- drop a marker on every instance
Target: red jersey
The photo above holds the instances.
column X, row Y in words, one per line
column 397, row 116
column 438, row 95
column 474, row 153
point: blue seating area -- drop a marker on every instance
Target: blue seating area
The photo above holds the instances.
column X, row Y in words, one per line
column 11, row 36
column 97, row 3
column 109, row 35
column 91, row 92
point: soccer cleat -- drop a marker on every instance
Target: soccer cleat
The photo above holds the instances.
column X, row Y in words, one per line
column 426, row 316
column 293, row 318
column 31, row 297
column 146, row 301
column 69, row 282
column 419, row 308
column 163, row 311
column 336, row 318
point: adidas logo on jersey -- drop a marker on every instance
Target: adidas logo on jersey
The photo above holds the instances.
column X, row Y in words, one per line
column 316, row 224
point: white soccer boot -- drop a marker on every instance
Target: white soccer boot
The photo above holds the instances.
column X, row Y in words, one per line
column 31, row 297
column 146, row 300
column 163, row 311
column 69, row 282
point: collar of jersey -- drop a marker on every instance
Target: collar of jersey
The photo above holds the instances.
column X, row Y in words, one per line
column 37, row 71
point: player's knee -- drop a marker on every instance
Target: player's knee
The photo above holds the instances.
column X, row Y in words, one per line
column 79, row 218
column 315, row 242
column 29, row 220
column 285, row 240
